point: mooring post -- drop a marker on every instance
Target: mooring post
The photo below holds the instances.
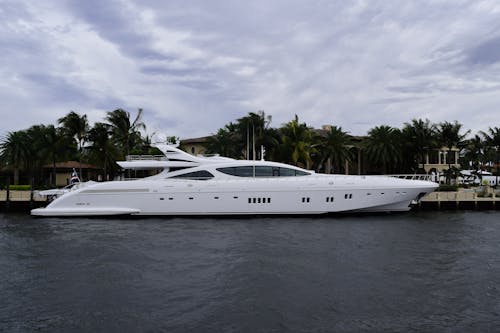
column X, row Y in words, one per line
column 7, row 198
column 32, row 181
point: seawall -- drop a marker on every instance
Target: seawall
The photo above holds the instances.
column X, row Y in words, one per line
column 460, row 200
column 20, row 201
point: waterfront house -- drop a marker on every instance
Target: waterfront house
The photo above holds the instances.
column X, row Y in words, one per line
column 64, row 170
column 195, row 146
column 439, row 160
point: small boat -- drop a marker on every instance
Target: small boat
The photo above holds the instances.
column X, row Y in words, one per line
column 215, row 185
column 74, row 184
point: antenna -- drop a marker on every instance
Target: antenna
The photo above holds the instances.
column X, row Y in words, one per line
column 248, row 143
column 253, row 141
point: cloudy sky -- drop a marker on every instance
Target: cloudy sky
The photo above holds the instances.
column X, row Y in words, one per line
column 194, row 66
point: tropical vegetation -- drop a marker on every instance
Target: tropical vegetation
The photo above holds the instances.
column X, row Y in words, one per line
column 32, row 154
column 32, row 151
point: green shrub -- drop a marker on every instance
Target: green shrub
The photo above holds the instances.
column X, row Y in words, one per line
column 19, row 187
column 447, row 188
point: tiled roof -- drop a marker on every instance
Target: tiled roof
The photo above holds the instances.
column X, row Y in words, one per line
column 71, row 165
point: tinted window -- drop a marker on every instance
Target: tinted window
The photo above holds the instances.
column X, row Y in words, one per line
column 197, row 175
column 301, row 173
column 285, row 172
column 263, row 171
column 243, row 171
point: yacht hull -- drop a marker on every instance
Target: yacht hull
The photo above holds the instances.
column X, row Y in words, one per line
column 83, row 211
column 318, row 195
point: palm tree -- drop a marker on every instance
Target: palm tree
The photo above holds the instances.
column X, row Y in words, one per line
column 335, row 147
column 418, row 137
column 125, row 133
column 102, row 151
column 449, row 136
column 383, row 146
column 14, row 152
column 492, row 138
column 243, row 138
column 226, row 142
column 474, row 154
column 254, row 132
column 75, row 126
column 297, row 143
column 49, row 145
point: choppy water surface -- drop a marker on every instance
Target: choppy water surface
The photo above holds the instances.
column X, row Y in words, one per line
column 417, row 272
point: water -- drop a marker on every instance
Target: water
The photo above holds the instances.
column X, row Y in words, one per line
column 416, row 272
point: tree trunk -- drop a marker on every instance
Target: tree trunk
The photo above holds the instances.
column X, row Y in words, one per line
column 16, row 176
column 328, row 165
column 80, row 162
column 54, row 173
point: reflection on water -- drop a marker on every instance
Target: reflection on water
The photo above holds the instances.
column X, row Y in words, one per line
column 424, row 271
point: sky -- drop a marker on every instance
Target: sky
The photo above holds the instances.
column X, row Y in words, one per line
column 194, row 66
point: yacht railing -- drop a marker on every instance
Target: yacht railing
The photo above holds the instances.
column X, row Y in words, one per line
column 146, row 158
column 415, row 176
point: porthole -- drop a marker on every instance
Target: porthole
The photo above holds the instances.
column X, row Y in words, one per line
column 258, row 200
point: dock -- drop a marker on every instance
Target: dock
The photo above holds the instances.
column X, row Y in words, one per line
column 20, row 201
column 460, row 200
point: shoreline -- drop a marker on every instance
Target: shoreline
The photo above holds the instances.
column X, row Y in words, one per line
column 459, row 200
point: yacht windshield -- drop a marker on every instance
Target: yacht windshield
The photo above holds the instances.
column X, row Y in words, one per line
column 195, row 175
column 262, row 171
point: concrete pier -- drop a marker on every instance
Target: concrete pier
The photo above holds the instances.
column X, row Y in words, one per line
column 466, row 200
column 20, row 201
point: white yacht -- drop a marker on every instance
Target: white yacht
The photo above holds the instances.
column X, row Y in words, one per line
column 199, row 185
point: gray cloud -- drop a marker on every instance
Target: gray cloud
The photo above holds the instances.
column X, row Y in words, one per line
column 486, row 53
column 198, row 65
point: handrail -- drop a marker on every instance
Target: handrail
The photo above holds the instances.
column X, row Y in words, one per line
column 414, row 176
column 146, row 158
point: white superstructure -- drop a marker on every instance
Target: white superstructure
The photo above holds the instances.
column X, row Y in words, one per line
column 194, row 185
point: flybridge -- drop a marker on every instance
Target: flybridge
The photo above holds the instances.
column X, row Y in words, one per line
column 174, row 158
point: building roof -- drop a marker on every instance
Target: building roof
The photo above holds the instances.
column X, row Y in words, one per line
column 202, row 139
column 70, row 165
